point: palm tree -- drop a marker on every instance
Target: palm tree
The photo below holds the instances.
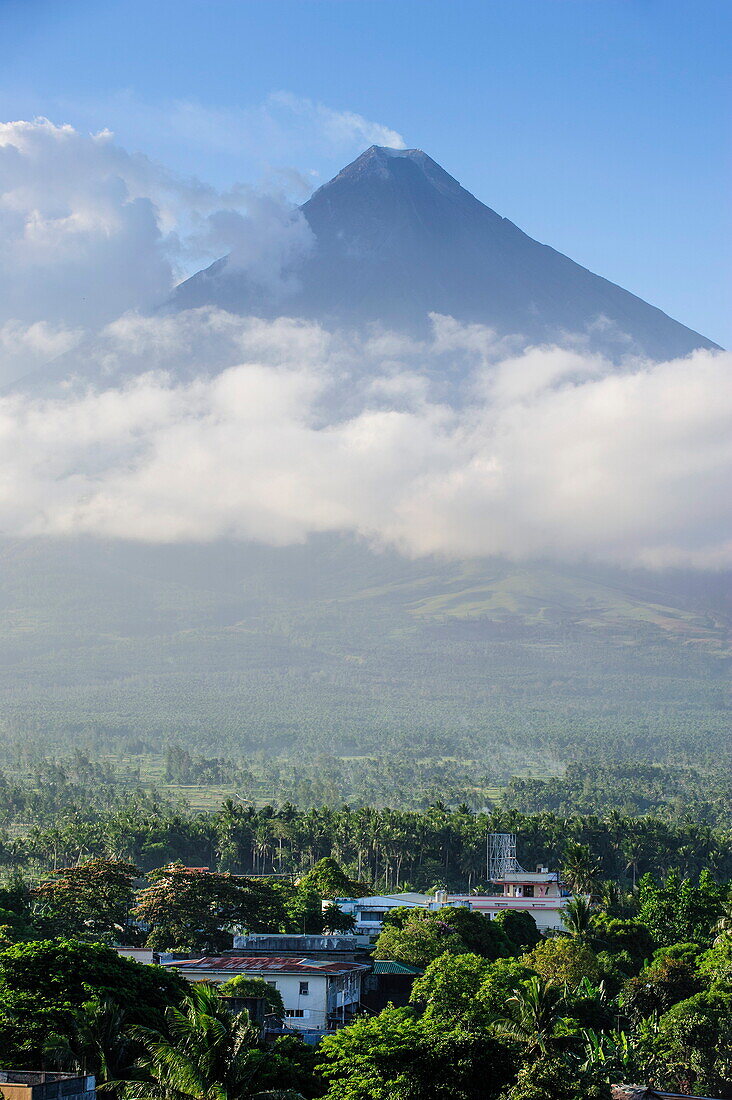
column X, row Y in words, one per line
column 473, row 862
column 612, row 899
column 537, row 1010
column 97, row 1042
column 208, row 1053
column 580, row 867
column 577, row 916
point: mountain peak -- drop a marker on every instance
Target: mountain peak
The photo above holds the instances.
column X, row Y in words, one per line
column 380, row 162
column 396, row 239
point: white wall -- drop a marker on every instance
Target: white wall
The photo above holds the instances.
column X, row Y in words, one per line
column 327, row 994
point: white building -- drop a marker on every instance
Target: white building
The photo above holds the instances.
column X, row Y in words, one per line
column 139, row 954
column 320, row 995
column 369, row 912
column 538, row 893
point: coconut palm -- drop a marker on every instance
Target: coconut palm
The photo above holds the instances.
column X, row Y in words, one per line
column 95, row 1041
column 207, row 1053
column 536, row 1011
column 580, row 867
column 612, row 899
column 577, row 916
column 473, row 863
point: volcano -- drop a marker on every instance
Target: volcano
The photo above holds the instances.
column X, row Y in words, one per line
column 396, row 238
column 334, row 661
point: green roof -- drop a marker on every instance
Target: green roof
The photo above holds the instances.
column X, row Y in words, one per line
column 390, row 966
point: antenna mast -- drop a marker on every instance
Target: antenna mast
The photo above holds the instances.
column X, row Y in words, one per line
column 502, row 856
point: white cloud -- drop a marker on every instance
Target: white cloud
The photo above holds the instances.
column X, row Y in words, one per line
column 304, row 431
column 337, row 130
column 89, row 231
column 79, row 240
column 23, row 347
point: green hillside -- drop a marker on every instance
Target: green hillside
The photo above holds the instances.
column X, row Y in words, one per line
column 333, row 648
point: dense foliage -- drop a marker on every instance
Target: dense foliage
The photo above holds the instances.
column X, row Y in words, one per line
column 633, row 789
column 498, row 1014
column 331, row 672
column 639, row 987
column 389, row 849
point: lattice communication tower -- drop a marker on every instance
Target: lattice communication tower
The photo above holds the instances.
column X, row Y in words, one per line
column 502, row 856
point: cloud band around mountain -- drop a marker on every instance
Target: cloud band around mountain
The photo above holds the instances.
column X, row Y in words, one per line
column 205, row 425
column 294, row 430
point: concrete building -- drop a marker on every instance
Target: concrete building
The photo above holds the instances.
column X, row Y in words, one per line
column 546, row 910
column 318, row 994
column 641, row 1092
column 539, row 893
column 139, row 954
column 369, row 912
column 32, row 1085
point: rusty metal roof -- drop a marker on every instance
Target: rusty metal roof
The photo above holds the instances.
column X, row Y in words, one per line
column 256, row 964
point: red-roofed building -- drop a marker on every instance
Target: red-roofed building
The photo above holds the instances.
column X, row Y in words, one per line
column 317, row 994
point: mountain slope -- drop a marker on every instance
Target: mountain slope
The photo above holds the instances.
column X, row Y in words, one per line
column 332, row 648
column 396, row 238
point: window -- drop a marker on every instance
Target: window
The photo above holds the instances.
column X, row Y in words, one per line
column 273, row 984
column 296, row 1014
column 304, row 989
column 528, row 891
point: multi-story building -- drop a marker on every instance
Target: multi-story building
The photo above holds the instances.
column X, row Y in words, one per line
column 318, row 994
column 539, row 893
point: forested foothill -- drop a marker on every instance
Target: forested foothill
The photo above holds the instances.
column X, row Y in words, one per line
column 329, row 673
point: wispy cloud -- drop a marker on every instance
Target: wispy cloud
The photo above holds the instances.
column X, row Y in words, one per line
column 285, row 136
column 284, row 128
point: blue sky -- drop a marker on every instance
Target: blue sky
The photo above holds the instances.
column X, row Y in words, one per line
column 601, row 127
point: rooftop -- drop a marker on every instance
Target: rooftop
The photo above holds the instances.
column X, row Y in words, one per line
column 297, row 942
column 407, row 898
column 528, row 876
column 267, row 965
column 391, row 966
column 641, row 1092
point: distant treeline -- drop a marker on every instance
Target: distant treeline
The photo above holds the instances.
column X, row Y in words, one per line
column 392, row 849
column 632, row 789
column 36, row 790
